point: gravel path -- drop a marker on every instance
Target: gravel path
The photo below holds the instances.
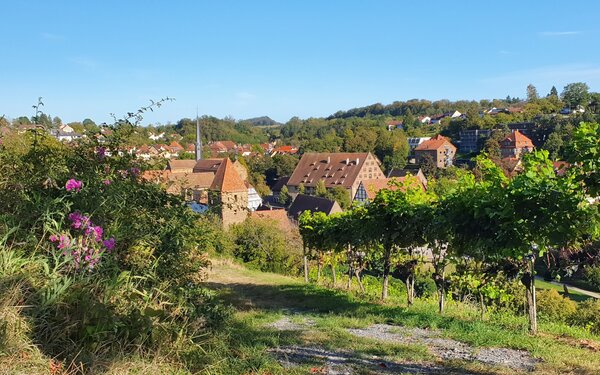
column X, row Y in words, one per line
column 448, row 349
column 341, row 362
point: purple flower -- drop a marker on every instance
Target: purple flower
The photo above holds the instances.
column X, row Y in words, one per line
column 95, row 232
column 109, row 244
column 101, row 152
column 79, row 221
column 53, row 238
column 134, row 171
column 73, row 185
column 106, row 182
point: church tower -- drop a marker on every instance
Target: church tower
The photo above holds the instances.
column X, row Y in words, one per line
column 198, row 140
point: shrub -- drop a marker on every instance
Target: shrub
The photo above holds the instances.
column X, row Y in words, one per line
column 592, row 274
column 263, row 245
column 588, row 315
column 554, row 307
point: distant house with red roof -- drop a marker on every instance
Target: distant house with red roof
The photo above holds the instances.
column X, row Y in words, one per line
column 284, row 150
column 439, row 148
column 515, row 145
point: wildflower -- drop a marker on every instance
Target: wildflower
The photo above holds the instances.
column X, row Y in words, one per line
column 106, row 182
column 101, row 152
column 134, row 171
column 73, row 185
column 64, row 241
column 95, row 232
column 53, row 238
column 79, row 221
column 109, row 244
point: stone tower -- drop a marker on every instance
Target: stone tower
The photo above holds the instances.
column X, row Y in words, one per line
column 229, row 194
column 198, row 140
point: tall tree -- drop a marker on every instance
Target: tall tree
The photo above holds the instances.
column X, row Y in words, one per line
column 575, row 94
column 532, row 94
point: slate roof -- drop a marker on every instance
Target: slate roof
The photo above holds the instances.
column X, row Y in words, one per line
column 314, row 204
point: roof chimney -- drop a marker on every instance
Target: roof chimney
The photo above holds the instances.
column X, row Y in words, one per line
column 357, row 161
column 328, row 159
column 347, row 161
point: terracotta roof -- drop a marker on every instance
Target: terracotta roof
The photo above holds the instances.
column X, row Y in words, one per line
column 314, row 204
column 335, row 169
column 286, row 149
column 394, row 122
column 174, row 165
column 434, row 143
column 516, row 140
column 227, row 178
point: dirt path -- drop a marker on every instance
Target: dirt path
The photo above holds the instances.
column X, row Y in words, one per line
column 288, row 299
column 572, row 288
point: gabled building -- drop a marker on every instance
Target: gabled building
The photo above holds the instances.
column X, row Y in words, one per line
column 310, row 203
column 334, row 169
column 181, row 166
column 515, row 145
column 409, row 169
column 413, row 142
column 439, row 149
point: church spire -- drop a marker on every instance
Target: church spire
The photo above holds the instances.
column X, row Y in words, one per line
column 198, row 139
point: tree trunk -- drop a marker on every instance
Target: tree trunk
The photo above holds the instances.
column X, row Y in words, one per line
column 334, row 275
column 349, row 277
column 305, row 260
column 386, row 274
column 481, row 306
column 360, row 284
column 409, row 291
column 442, row 293
column 531, row 302
column 319, row 267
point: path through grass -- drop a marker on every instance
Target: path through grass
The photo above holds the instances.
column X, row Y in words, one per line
column 256, row 344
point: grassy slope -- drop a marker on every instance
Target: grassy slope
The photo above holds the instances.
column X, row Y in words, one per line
column 261, row 298
column 574, row 295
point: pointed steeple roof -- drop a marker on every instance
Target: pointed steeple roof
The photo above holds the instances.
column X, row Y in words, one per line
column 227, row 179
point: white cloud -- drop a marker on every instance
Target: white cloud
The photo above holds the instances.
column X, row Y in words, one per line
column 558, row 33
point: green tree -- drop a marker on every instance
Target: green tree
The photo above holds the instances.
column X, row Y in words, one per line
column 553, row 92
column 340, row 195
column 554, row 144
column 321, row 190
column 532, row 94
column 575, row 94
column 284, row 196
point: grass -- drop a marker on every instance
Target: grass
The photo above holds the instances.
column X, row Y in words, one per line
column 261, row 298
column 574, row 295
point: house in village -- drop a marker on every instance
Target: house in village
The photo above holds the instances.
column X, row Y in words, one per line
column 439, row 149
column 409, row 169
column 345, row 170
column 413, row 142
column 515, row 145
column 304, row 202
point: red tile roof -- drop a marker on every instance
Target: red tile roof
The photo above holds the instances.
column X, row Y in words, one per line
column 516, row 140
column 227, row 179
column 434, row 143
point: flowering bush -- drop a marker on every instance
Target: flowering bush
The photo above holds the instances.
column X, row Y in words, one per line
column 85, row 248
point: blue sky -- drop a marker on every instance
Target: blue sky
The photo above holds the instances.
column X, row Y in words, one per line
column 285, row 58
